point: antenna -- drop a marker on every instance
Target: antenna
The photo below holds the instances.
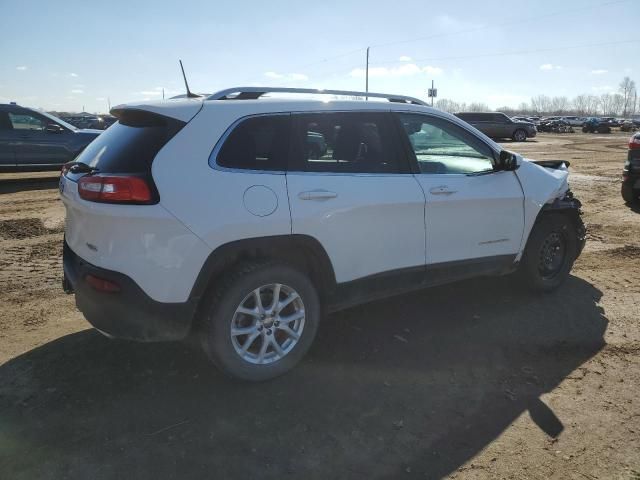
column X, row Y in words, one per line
column 186, row 85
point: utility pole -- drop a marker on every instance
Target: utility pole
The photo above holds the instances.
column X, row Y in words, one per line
column 163, row 93
column 367, row 76
column 109, row 104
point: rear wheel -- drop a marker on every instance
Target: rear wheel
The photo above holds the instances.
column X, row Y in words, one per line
column 519, row 135
column 261, row 322
column 550, row 252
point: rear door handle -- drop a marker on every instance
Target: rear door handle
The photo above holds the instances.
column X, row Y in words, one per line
column 441, row 190
column 317, row 195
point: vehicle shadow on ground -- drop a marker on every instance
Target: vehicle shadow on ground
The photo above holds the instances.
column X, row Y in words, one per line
column 411, row 386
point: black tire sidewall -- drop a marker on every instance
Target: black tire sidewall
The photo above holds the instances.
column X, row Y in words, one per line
column 515, row 135
column 542, row 229
column 217, row 326
column 629, row 194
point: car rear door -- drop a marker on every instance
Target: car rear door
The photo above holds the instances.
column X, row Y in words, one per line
column 474, row 215
column 358, row 196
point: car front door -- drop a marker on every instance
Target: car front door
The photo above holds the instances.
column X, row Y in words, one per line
column 502, row 126
column 357, row 196
column 35, row 142
column 474, row 215
column 7, row 157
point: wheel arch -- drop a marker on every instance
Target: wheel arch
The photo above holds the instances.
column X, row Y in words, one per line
column 301, row 251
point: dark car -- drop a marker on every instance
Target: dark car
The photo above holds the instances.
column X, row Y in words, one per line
column 32, row 140
column 498, row 125
column 631, row 173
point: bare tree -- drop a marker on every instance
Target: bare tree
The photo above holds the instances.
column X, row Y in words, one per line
column 447, row 105
column 541, row 104
column 478, row 107
column 559, row 105
column 627, row 89
column 581, row 104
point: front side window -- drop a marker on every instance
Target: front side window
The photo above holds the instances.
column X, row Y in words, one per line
column 350, row 142
column 23, row 121
column 257, row 143
column 442, row 147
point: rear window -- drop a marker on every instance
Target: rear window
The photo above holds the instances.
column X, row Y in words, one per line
column 130, row 144
column 257, row 143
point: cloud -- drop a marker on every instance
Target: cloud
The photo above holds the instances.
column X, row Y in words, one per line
column 405, row 58
column 432, row 70
column 550, row 66
column 74, row 75
column 294, row 77
column 273, row 75
column 599, row 71
column 21, row 67
column 404, row 70
column 77, row 90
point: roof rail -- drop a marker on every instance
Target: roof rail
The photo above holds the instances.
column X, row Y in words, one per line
column 253, row 93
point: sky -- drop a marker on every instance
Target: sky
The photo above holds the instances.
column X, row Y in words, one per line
column 73, row 54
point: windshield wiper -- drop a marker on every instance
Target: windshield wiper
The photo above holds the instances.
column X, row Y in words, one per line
column 80, row 167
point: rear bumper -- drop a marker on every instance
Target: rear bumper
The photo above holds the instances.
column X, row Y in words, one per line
column 128, row 314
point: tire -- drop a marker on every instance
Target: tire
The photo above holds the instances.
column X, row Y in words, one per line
column 585, row 129
column 238, row 290
column 629, row 195
column 519, row 135
column 541, row 269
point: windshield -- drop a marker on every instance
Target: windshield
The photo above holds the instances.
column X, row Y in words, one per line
column 59, row 121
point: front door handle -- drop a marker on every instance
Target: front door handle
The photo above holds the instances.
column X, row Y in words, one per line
column 442, row 190
column 317, row 195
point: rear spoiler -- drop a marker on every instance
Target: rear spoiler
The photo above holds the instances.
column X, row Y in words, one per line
column 554, row 164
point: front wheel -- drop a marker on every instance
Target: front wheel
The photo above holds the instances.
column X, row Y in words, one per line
column 519, row 135
column 550, row 252
column 261, row 322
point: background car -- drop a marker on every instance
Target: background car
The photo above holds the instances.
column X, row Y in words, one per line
column 499, row 125
column 32, row 140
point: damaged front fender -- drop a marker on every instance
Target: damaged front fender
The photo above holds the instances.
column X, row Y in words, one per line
column 541, row 185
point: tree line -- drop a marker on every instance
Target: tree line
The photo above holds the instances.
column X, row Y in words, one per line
column 623, row 103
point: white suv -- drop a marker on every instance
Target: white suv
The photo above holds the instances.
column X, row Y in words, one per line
column 244, row 219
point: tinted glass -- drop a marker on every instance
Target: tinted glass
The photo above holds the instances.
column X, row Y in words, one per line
column 258, row 143
column 5, row 122
column 344, row 143
column 442, row 147
column 23, row 121
column 131, row 144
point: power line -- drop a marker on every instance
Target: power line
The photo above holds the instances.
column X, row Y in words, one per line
column 514, row 52
column 499, row 24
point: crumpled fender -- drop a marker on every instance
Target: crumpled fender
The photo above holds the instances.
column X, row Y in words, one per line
column 540, row 186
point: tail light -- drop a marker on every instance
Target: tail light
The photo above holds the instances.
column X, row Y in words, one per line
column 115, row 189
column 634, row 142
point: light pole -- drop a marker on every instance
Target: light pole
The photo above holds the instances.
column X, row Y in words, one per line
column 366, row 86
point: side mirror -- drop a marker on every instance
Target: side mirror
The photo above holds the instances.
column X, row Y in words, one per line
column 54, row 128
column 507, row 161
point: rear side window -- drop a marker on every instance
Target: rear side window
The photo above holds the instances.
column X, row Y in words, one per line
column 130, row 144
column 344, row 143
column 257, row 143
column 470, row 117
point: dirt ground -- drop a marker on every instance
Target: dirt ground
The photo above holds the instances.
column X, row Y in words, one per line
column 474, row 380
